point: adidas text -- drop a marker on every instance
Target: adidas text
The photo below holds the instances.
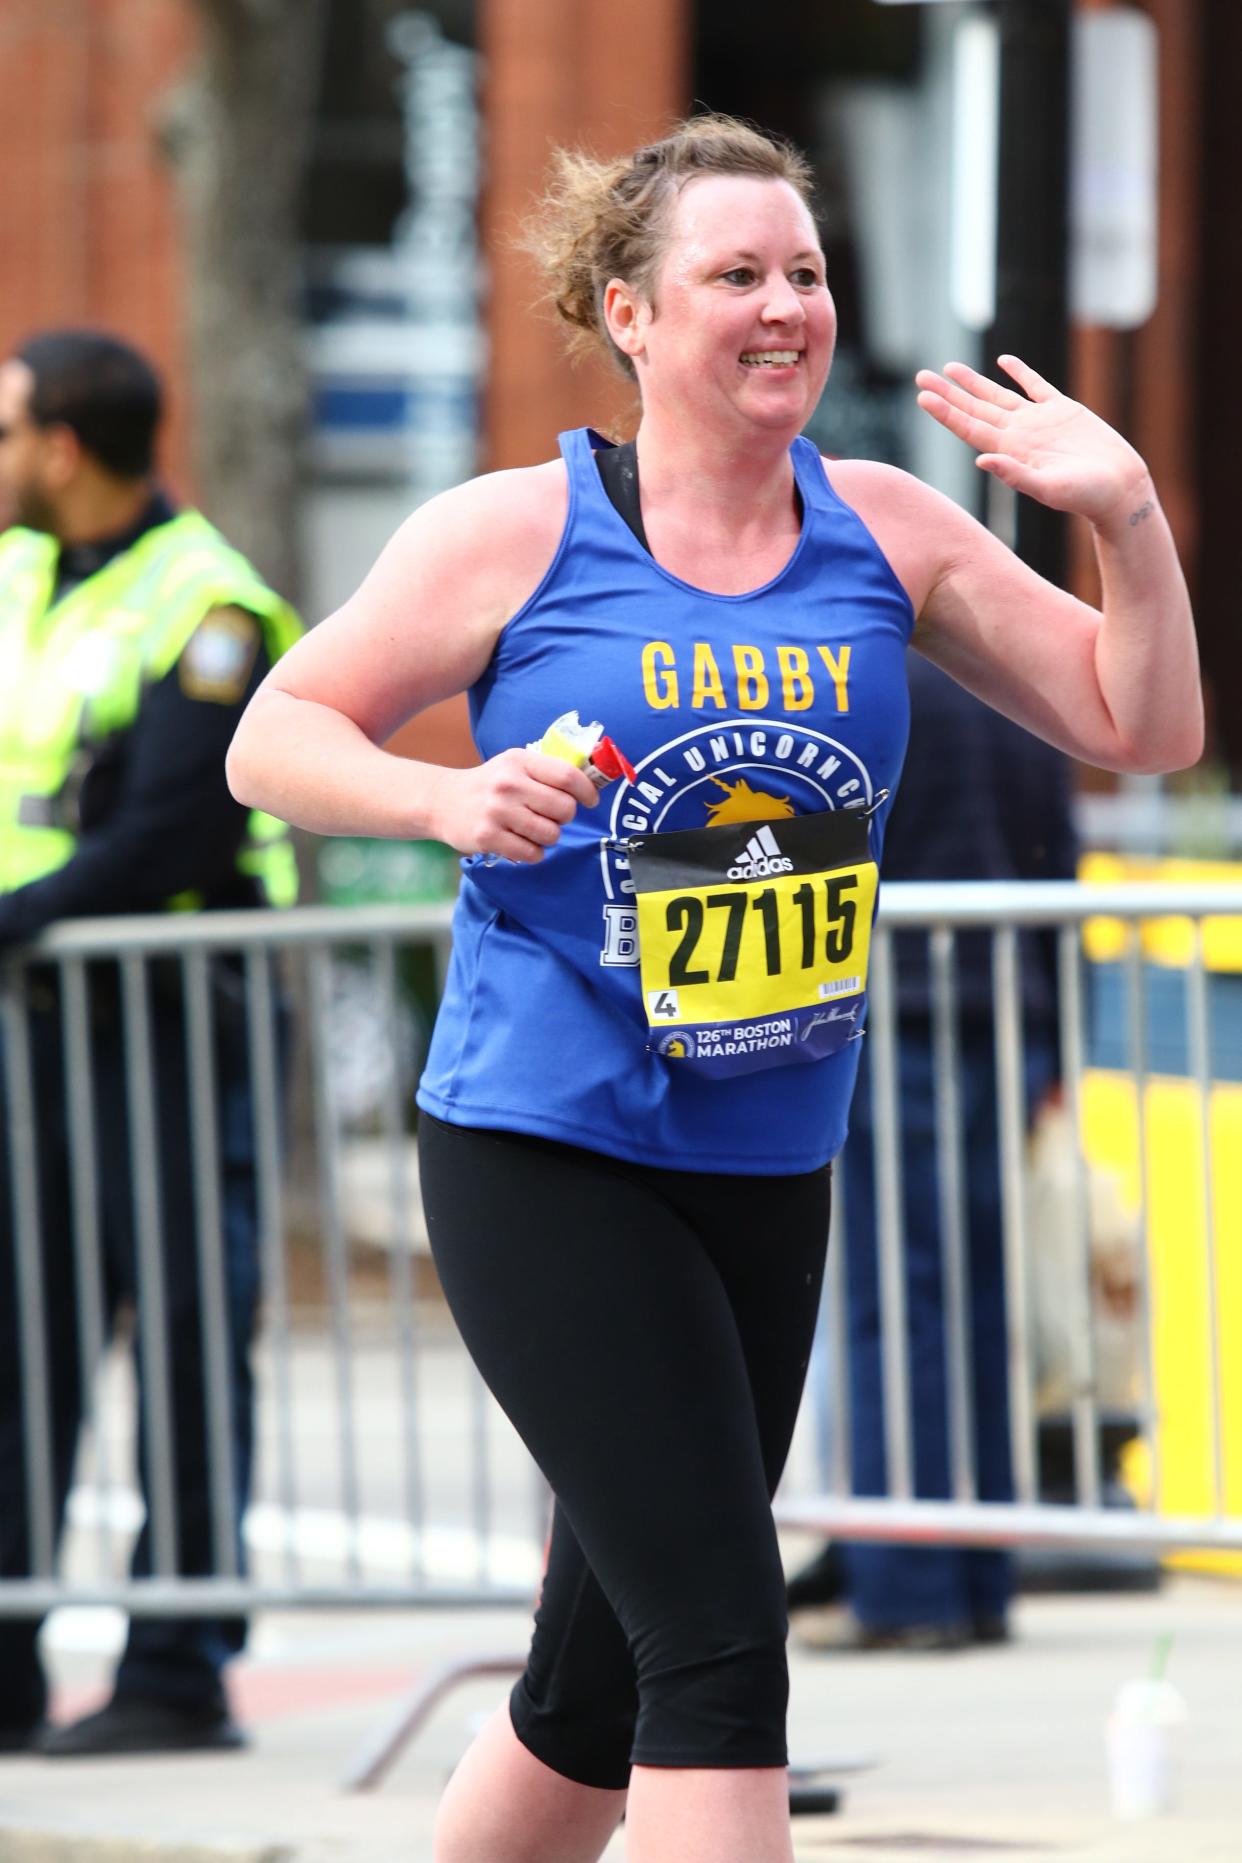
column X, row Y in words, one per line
column 760, row 857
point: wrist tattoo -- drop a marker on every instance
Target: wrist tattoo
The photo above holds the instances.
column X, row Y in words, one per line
column 1144, row 511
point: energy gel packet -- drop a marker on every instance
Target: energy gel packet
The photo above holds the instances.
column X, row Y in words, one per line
column 587, row 748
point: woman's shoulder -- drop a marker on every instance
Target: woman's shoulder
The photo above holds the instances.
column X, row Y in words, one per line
column 872, row 487
column 489, row 539
column 517, row 504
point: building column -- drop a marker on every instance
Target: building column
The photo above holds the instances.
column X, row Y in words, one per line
column 554, row 72
column 1144, row 381
column 557, row 72
column 89, row 233
column 1211, row 125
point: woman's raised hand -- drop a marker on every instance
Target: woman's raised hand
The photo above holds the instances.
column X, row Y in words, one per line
column 1038, row 442
column 515, row 804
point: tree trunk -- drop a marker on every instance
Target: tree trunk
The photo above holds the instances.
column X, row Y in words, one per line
column 238, row 136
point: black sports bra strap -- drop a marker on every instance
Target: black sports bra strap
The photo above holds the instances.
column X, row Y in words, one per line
column 618, row 471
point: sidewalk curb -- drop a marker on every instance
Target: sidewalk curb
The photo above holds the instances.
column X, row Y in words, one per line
column 25, row 1844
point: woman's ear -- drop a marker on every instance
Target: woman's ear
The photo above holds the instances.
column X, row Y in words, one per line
column 626, row 316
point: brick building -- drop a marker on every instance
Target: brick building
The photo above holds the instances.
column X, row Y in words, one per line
column 89, row 229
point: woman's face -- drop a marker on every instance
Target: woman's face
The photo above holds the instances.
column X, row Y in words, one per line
column 742, row 331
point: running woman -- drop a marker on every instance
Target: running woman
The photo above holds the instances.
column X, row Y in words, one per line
column 643, row 1061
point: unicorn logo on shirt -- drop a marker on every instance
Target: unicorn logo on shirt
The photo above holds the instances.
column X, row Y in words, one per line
column 741, row 803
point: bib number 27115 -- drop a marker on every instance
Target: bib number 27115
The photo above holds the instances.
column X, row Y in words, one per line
column 753, row 951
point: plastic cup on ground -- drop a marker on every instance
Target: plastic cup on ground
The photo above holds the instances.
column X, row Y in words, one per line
column 1141, row 1747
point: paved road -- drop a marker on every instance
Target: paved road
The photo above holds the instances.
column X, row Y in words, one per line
column 993, row 1752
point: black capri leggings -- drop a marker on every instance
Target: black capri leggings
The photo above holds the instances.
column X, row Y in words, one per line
column 647, row 1332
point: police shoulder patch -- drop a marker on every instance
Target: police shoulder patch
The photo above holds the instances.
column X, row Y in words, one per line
column 216, row 660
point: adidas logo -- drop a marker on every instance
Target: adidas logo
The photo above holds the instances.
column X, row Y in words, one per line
column 760, row 857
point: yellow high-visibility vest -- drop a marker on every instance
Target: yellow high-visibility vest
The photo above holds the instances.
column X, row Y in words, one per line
column 73, row 675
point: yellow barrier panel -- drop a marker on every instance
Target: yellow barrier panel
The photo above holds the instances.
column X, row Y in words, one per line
column 1164, row 941
column 1177, row 1261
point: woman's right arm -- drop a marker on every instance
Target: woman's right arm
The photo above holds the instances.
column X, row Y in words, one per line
column 422, row 627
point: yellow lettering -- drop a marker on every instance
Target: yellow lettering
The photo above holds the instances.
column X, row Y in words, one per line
column 707, row 680
column 752, row 681
column 839, row 672
column 659, row 675
column 797, row 691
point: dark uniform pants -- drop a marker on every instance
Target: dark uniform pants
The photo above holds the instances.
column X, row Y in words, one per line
column 176, row 1659
column 893, row 1586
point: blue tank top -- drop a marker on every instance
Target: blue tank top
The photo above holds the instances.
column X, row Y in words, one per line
column 784, row 700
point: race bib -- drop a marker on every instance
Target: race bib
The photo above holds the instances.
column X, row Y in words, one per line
column 753, row 939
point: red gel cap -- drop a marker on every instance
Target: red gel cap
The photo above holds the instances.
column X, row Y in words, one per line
column 612, row 762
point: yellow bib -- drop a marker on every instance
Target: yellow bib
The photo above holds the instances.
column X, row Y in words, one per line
column 753, row 939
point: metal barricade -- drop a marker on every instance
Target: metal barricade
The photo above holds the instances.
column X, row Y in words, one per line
column 384, row 1473
column 1186, row 1389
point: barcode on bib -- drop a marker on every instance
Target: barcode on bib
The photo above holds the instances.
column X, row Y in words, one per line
column 840, row 986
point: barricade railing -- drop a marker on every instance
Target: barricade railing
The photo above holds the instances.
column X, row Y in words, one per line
column 1172, row 1148
column 384, row 1473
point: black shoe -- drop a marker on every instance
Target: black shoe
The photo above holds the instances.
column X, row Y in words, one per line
column 840, row 1632
column 991, row 1630
column 22, row 1736
column 913, row 1638
column 137, row 1724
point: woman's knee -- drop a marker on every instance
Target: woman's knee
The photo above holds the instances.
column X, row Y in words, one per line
column 705, row 1697
column 714, row 1698
column 586, row 1738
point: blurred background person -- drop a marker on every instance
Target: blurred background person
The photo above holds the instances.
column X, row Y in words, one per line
column 132, row 637
column 980, row 799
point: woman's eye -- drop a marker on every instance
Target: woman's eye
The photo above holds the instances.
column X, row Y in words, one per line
column 805, row 277
column 740, row 275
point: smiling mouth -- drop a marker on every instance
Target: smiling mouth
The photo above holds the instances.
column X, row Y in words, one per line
column 771, row 358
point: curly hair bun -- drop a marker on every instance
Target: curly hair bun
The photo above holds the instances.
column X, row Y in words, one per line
column 599, row 220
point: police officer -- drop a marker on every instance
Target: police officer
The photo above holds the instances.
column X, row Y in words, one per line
column 131, row 638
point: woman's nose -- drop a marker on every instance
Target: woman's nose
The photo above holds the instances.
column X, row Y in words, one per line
column 782, row 303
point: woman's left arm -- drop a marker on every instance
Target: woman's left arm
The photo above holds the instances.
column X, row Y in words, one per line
column 1119, row 686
